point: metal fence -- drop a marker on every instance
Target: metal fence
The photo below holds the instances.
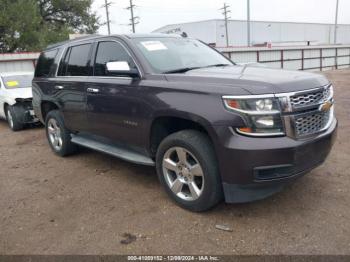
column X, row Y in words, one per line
column 315, row 58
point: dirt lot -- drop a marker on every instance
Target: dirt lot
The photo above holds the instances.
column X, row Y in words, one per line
column 86, row 203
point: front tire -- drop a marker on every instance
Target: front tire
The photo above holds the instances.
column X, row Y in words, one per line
column 58, row 135
column 12, row 119
column 188, row 170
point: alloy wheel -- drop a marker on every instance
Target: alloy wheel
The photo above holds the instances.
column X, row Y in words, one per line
column 54, row 132
column 183, row 173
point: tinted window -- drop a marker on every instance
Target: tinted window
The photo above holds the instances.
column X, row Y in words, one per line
column 78, row 62
column 110, row 52
column 45, row 63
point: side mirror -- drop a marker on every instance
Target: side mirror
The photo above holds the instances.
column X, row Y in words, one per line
column 121, row 68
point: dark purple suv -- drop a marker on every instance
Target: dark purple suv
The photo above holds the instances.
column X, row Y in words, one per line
column 213, row 129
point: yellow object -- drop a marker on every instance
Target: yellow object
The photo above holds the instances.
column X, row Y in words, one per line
column 12, row 83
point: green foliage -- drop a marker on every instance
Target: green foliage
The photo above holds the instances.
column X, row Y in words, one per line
column 30, row 25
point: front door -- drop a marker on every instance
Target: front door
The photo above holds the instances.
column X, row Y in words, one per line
column 113, row 105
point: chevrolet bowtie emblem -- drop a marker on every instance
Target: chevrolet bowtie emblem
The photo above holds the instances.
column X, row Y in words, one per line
column 326, row 106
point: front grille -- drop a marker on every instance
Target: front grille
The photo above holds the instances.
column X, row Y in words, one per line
column 303, row 112
column 311, row 123
column 311, row 98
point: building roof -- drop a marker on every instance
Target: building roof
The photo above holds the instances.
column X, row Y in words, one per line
column 252, row 21
column 16, row 74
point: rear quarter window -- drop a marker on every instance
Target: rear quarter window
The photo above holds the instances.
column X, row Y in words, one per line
column 45, row 64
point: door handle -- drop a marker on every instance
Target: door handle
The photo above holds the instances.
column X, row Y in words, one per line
column 59, row 87
column 93, row 90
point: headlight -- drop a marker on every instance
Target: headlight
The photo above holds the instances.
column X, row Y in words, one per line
column 262, row 114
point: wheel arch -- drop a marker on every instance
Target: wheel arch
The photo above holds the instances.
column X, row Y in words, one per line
column 168, row 123
column 46, row 106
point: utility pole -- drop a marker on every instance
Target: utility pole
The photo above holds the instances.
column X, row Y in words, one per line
column 248, row 22
column 225, row 13
column 133, row 19
column 106, row 5
column 336, row 23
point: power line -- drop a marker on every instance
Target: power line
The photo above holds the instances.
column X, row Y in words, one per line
column 134, row 19
column 106, row 5
column 225, row 13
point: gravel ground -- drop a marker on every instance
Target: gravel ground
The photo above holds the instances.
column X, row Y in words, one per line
column 91, row 203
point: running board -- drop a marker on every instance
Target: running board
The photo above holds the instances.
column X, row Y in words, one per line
column 114, row 150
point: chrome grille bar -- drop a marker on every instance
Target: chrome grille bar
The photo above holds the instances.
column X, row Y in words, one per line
column 302, row 112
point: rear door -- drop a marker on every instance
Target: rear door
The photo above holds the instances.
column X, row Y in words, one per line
column 43, row 86
column 70, row 85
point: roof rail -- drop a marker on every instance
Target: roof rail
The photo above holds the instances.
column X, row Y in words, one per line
column 71, row 41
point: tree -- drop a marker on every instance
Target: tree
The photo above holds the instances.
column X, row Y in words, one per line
column 30, row 25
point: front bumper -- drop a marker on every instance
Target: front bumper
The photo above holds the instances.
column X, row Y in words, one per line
column 255, row 168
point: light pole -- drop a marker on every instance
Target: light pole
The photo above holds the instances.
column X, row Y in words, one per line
column 107, row 15
column 336, row 22
column 248, row 22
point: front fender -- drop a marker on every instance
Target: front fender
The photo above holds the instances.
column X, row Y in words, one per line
column 207, row 110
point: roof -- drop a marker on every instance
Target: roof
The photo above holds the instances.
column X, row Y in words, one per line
column 151, row 35
column 252, row 21
column 72, row 41
column 130, row 36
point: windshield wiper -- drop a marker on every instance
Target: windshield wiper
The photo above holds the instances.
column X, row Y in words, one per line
column 218, row 65
column 186, row 69
column 181, row 70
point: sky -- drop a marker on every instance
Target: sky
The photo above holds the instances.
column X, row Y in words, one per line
column 157, row 13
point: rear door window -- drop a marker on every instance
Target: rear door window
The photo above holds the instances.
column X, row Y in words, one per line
column 78, row 61
column 45, row 66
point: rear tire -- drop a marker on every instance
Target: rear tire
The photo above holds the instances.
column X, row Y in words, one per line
column 12, row 119
column 58, row 136
column 188, row 170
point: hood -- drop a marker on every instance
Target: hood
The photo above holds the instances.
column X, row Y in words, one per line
column 255, row 80
column 19, row 93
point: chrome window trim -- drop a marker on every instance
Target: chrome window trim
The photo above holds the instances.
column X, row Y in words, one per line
column 102, row 77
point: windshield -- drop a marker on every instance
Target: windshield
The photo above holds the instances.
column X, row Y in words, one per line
column 17, row 81
column 173, row 54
